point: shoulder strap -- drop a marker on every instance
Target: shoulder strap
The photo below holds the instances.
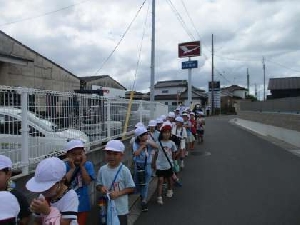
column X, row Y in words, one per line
column 112, row 184
column 162, row 148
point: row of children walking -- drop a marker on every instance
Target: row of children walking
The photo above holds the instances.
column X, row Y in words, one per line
column 161, row 148
column 61, row 188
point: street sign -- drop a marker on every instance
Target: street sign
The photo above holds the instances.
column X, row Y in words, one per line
column 189, row 49
column 190, row 64
column 217, row 86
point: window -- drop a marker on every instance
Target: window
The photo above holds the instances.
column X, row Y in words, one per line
column 174, row 103
column 165, row 91
column 166, row 103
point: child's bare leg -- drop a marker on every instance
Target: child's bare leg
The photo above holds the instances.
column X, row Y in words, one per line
column 160, row 181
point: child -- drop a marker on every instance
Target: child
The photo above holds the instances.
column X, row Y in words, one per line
column 139, row 124
column 153, row 133
column 122, row 185
column 193, row 129
column 80, row 173
column 171, row 118
column 159, row 123
column 163, row 161
column 142, row 151
column 187, row 124
column 200, row 127
column 180, row 132
column 49, row 181
column 5, row 181
column 9, row 208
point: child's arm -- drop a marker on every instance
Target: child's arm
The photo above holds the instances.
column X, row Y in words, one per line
column 116, row 194
column 87, row 171
column 154, row 160
column 152, row 144
column 102, row 189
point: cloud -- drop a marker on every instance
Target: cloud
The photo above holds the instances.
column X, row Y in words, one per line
column 80, row 38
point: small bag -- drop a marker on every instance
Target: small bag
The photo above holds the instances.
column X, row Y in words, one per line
column 112, row 215
column 176, row 167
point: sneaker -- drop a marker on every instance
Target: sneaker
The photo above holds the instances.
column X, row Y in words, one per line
column 144, row 207
column 159, row 201
column 178, row 183
column 182, row 164
column 186, row 153
column 169, row 193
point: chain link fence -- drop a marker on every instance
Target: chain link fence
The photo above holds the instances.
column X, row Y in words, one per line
column 35, row 124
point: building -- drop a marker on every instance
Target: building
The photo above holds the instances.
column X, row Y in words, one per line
column 175, row 92
column 234, row 91
column 284, row 87
column 138, row 95
column 230, row 97
column 21, row 66
column 110, row 87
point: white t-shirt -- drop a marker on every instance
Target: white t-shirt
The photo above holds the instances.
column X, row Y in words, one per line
column 124, row 180
column 180, row 132
column 162, row 162
column 68, row 206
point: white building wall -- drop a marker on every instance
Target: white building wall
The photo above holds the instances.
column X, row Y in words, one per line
column 169, row 90
column 240, row 93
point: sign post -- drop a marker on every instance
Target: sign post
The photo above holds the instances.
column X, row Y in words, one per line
column 189, row 49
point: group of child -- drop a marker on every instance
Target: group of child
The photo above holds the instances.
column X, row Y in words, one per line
column 62, row 186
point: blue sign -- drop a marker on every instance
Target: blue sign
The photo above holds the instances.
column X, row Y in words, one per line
column 190, row 64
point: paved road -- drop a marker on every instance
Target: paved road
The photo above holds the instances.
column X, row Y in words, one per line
column 246, row 180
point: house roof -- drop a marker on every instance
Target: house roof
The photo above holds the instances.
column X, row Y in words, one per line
column 233, row 88
column 171, row 83
column 100, row 77
column 284, row 83
column 28, row 48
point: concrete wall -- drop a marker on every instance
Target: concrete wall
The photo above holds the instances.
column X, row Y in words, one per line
column 40, row 74
column 287, row 121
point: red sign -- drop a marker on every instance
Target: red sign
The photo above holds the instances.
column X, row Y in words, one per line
column 189, row 49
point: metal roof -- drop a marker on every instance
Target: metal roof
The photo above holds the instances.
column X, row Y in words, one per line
column 171, row 83
column 284, row 83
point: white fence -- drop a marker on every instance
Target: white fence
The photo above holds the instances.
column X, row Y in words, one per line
column 36, row 123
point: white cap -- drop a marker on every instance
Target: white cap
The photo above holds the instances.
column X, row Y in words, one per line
column 5, row 162
column 177, row 109
column 139, row 124
column 152, row 123
column 47, row 173
column 163, row 117
column 184, row 114
column 192, row 113
column 9, row 207
column 74, row 144
column 179, row 119
column 115, row 146
column 159, row 120
column 171, row 114
column 139, row 131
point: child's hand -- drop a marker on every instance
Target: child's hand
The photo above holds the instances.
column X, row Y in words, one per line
column 40, row 206
column 71, row 163
column 104, row 190
column 84, row 159
column 114, row 195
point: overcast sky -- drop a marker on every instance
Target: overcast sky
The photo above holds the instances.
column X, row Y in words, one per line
column 80, row 38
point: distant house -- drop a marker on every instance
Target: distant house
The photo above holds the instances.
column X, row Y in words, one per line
column 284, row 87
column 110, row 87
column 174, row 92
column 234, row 91
column 138, row 95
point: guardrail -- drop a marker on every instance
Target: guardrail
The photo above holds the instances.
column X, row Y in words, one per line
column 282, row 105
column 37, row 123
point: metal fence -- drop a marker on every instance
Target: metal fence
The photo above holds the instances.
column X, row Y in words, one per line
column 36, row 123
column 282, row 105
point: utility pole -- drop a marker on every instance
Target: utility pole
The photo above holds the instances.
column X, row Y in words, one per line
column 152, row 80
column 212, row 76
column 248, row 81
column 264, row 68
column 255, row 91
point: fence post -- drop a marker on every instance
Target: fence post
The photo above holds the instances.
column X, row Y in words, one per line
column 141, row 111
column 108, row 127
column 25, row 133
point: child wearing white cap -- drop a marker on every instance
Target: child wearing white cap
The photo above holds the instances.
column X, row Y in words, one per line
column 5, row 180
column 142, row 151
column 179, row 135
column 9, row 208
column 115, row 178
column 49, row 180
column 80, row 174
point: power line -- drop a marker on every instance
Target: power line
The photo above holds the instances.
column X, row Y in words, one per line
column 278, row 64
column 180, row 19
column 140, row 49
column 44, row 14
column 121, row 39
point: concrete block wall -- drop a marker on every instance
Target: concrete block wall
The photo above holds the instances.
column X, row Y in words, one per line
column 287, row 121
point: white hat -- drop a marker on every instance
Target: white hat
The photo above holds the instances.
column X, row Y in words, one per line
column 9, row 207
column 139, row 131
column 184, row 114
column 159, row 120
column 163, row 117
column 171, row 114
column 177, row 109
column 152, row 123
column 179, row 119
column 115, row 146
column 192, row 113
column 5, row 162
column 74, row 144
column 139, row 124
column 47, row 173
